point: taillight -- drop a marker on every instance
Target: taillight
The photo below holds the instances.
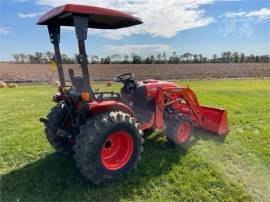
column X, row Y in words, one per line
column 85, row 96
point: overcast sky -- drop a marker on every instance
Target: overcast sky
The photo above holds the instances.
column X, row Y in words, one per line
column 197, row 26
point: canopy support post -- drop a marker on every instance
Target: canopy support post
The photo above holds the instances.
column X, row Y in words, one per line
column 54, row 32
column 81, row 27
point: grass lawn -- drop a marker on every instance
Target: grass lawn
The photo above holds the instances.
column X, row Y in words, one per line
column 237, row 169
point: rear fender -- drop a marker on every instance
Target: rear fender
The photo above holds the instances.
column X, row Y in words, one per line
column 109, row 105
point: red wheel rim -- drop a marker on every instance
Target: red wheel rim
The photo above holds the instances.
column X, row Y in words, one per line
column 117, row 150
column 183, row 132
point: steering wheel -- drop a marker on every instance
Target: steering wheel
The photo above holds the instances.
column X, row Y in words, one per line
column 124, row 78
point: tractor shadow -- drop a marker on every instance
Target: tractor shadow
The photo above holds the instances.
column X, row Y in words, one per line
column 56, row 178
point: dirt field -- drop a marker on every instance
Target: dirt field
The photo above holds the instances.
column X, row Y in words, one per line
column 43, row 73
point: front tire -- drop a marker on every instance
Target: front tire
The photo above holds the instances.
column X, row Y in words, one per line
column 179, row 130
column 109, row 145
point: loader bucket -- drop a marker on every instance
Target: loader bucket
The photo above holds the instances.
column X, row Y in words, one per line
column 215, row 120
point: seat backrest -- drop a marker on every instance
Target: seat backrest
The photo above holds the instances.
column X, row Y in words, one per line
column 140, row 97
column 77, row 81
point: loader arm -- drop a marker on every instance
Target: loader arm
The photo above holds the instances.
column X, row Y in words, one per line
column 175, row 95
column 191, row 100
column 209, row 118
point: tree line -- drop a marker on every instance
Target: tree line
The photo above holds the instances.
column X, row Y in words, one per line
column 161, row 58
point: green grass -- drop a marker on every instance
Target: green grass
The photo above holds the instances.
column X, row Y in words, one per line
column 237, row 169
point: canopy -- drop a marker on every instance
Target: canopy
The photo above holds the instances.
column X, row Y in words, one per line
column 100, row 18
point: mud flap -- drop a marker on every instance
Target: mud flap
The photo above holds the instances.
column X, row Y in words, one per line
column 215, row 120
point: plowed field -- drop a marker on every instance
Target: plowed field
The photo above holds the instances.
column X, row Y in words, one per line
column 43, row 73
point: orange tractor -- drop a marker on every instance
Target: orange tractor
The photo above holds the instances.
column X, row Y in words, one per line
column 104, row 130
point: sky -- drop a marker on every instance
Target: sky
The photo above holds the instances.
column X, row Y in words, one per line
column 197, row 26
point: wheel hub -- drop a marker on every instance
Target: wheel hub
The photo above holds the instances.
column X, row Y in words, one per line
column 117, row 150
column 183, row 132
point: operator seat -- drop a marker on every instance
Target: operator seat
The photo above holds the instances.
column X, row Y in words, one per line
column 141, row 104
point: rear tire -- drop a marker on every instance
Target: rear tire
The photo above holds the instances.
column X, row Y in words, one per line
column 55, row 119
column 179, row 130
column 108, row 146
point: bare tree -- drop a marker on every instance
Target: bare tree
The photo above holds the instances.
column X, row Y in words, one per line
column 16, row 58
column 23, row 58
column 235, row 57
column 94, row 59
column 201, row 58
column 38, row 57
column 242, row 58
column 164, row 56
column 107, row 60
column 136, row 59
column 187, row 56
column 252, row 58
column 150, row 60
column 32, row 59
column 49, row 56
column 174, row 59
column 116, row 58
column 159, row 58
column 196, row 58
column 126, row 58
column 214, row 60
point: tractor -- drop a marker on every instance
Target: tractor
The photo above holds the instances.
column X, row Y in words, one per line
column 104, row 130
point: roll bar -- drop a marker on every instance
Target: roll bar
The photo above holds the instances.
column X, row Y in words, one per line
column 82, row 17
column 81, row 28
